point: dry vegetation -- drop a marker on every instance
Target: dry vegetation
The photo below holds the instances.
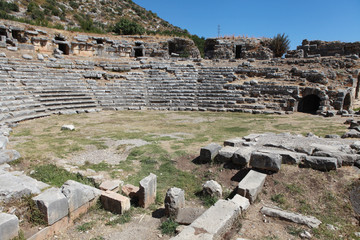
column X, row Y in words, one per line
column 174, row 140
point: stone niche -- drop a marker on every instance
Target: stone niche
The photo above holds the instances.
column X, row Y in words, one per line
column 181, row 47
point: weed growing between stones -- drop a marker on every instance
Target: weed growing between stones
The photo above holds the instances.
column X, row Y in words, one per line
column 33, row 215
column 168, row 227
column 278, row 198
column 208, row 200
column 121, row 219
column 21, row 236
column 85, row 226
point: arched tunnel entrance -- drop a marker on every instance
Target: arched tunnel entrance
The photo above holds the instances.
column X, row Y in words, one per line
column 309, row 104
column 347, row 102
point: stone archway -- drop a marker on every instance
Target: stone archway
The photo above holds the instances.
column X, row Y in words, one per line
column 309, row 104
column 347, row 102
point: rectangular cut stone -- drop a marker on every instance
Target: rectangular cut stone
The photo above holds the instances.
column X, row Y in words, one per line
column 186, row 216
column 242, row 156
column 209, row 152
column 321, row 163
column 266, row 161
column 111, row 185
column 234, row 142
column 78, row 194
column 251, row 185
column 226, row 154
column 9, row 226
column 243, row 202
column 147, row 191
column 115, row 202
column 287, row 157
column 53, row 204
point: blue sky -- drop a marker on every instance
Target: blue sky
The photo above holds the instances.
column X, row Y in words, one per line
column 328, row 20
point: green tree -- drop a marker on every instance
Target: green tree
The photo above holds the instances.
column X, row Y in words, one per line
column 280, row 44
column 128, row 27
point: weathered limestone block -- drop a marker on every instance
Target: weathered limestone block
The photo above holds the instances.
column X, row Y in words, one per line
column 27, row 56
column 187, row 216
column 234, row 142
column 251, row 185
column 242, row 156
column 68, row 127
column 130, row 190
column 266, row 161
column 53, row 204
column 115, row 202
column 9, row 226
column 111, row 185
column 8, row 156
column 321, row 163
column 209, row 152
column 287, row 157
column 78, row 194
column 174, row 200
column 311, row 222
column 147, row 191
column 226, row 154
column 243, row 202
column 342, row 158
column 212, row 188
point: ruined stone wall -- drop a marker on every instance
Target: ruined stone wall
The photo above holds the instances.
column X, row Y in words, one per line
column 60, row 42
column 238, row 48
column 322, row 48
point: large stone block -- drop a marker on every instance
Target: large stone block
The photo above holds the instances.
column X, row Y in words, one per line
column 266, row 161
column 8, row 156
column 234, row 142
column 174, row 200
column 321, row 163
column 9, row 226
column 3, row 142
column 212, row 188
column 242, row 156
column 147, row 191
column 78, row 194
column 115, row 202
column 251, row 185
column 209, row 152
column 186, row 216
column 226, row 154
column 53, row 204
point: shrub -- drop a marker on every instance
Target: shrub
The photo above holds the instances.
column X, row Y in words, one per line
column 280, row 44
column 128, row 27
column 8, row 6
column 168, row 227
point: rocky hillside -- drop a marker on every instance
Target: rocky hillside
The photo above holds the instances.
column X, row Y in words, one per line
column 86, row 15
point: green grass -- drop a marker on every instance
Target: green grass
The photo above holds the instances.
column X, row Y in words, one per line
column 294, row 188
column 121, row 219
column 57, row 176
column 85, row 226
column 278, row 198
column 102, row 166
column 208, row 200
column 168, row 227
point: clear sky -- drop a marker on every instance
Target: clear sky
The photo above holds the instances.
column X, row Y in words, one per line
column 328, row 20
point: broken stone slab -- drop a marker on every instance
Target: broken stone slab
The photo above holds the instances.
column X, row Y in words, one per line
column 115, row 202
column 27, row 56
column 14, row 185
column 186, row 216
column 287, row 157
column 78, row 194
column 351, row 134
column 266, row 161
column 111, row 185
column 243, row 202
column 242, row 156
column 53, row 204
column 234, row 142
column 9, row 226
column 130, row 190
column 174, row 200
column 67, row 127
column 251, row 185
column 147, row 191
column 212, row 188
column 342, row 158
column 226, row 154
column 209, row 152
column 320, row 163
column 311, row 222
column 8, row 156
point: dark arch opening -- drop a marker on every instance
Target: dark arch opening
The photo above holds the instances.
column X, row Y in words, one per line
column 64, row 48
column 347, row 102
column 309, row 104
